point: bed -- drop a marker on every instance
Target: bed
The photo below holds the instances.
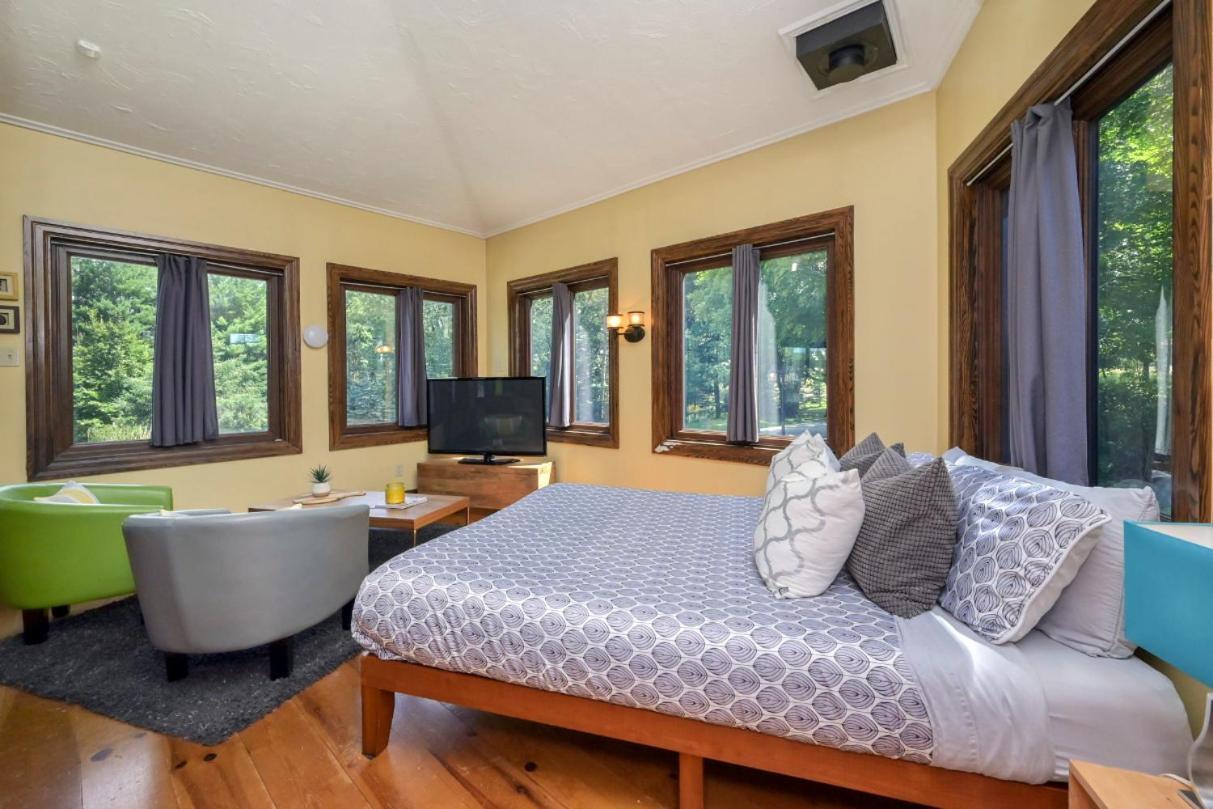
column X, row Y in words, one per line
column 639, row 615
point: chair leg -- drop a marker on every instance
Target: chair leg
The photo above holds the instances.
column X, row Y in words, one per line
column 282, row 653
column 176, row 666
column 34, row 625
column 61, row 611
column 347, row 615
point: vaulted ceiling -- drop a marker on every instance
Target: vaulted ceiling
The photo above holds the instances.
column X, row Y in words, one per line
column 479, row 115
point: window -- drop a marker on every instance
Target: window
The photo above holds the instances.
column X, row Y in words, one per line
column 1133, row 291
column 803, row 357
column 370, row 357
column 1148, row 370
column 363, row 344
column 93, row 318
column 595, row 364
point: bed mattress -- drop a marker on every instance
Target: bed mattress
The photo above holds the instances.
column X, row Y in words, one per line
column 652, row 600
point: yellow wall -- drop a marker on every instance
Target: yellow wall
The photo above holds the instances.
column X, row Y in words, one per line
column 52, row 177
column 883, row 163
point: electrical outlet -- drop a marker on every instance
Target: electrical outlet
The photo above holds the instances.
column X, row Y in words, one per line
column 399, row 470
column 9, row 356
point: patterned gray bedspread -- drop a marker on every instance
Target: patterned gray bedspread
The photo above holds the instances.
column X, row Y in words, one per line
column 651, row 600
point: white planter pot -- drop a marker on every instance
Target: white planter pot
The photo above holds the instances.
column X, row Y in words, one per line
column 321, row 489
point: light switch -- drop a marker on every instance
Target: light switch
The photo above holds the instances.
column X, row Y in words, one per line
column 9, row 356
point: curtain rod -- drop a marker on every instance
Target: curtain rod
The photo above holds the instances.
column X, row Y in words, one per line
column 1115, row 49
column 760, row 247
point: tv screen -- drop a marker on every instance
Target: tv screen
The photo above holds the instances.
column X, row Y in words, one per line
column 487, row 416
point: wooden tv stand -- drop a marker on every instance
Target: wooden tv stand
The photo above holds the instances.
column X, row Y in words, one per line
column 488, row 487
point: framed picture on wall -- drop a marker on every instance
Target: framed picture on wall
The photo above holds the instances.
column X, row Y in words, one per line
column 10, row 320
column 8, row 286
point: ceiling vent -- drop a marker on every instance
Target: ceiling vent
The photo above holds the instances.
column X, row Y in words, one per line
column 847, row 47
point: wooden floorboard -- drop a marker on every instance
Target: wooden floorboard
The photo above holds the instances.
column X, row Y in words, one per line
column 307, row 754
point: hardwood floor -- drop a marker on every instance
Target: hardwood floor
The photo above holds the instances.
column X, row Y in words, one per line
column 307, row 754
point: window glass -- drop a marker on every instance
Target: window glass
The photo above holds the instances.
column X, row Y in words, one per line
column 1132, row 428
column 113, row 328
column 370, row 357
column 591, row 354
column 240, row 345
column 707, row 328
column 540, row 313
column 791, row 356
column 439, row 320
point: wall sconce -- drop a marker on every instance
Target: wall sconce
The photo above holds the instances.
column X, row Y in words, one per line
column 633, row 332
column 315, row 336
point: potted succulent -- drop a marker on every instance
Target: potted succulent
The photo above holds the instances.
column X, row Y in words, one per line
column 321, row 478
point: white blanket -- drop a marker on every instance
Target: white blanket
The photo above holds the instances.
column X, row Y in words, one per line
column 986, row 704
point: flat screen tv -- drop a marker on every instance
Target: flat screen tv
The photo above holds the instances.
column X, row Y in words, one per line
column 487, row 416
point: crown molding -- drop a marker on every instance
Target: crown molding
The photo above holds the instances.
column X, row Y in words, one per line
column 94, row 140
column 908, row 92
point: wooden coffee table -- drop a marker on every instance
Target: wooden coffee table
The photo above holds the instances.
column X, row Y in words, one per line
column 411, row 519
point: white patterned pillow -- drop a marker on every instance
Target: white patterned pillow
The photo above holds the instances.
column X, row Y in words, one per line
column 1020, row 544
column 805, row 448
column 808, row 527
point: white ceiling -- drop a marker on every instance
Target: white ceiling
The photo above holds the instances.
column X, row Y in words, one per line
column 478, row 115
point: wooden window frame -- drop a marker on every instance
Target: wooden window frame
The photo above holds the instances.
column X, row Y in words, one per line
column 1181, row 34
column 51, row 451
column 519, row 295
column 670, row 264
column 342, row 276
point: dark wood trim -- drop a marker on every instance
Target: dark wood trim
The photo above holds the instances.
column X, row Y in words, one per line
column 876, row 775
column 1181, row 35
column 1193, row 289
column 344, row 276
column 836, row 231
column 50, row 451
column 519, row 294
column 1105, row 24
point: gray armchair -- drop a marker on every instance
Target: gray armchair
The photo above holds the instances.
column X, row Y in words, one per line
column 218, row 582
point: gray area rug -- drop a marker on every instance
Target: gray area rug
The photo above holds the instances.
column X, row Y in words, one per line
column 102, row 661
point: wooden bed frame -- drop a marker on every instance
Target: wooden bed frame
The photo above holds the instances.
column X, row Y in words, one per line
column 691, row 739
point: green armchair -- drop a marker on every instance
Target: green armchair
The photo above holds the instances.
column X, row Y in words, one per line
column 53, row 555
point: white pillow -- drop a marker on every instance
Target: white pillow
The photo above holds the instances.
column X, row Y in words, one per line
column 808, row 527
column 805, row 448
column 1089, row 616
column 73, row 493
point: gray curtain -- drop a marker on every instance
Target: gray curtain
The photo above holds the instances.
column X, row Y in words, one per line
column 560, row 373
column 183, row 373
column 743, row 386
column 410, row 358
column 1046, row 300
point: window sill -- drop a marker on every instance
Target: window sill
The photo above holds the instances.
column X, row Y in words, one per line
column 81, row 460
column 717, row 449
column 375, row 435
column 590, row 435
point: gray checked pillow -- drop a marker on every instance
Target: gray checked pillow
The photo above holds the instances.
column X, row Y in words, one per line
column 887, row 465
column 1020, row 544
column 805, row 448
column 864, row 454
column 808, row 527
column 904, row 548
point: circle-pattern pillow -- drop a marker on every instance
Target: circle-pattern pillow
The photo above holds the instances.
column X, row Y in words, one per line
column 1020, row 544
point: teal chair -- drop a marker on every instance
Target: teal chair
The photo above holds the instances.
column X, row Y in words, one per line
column 53, row 555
